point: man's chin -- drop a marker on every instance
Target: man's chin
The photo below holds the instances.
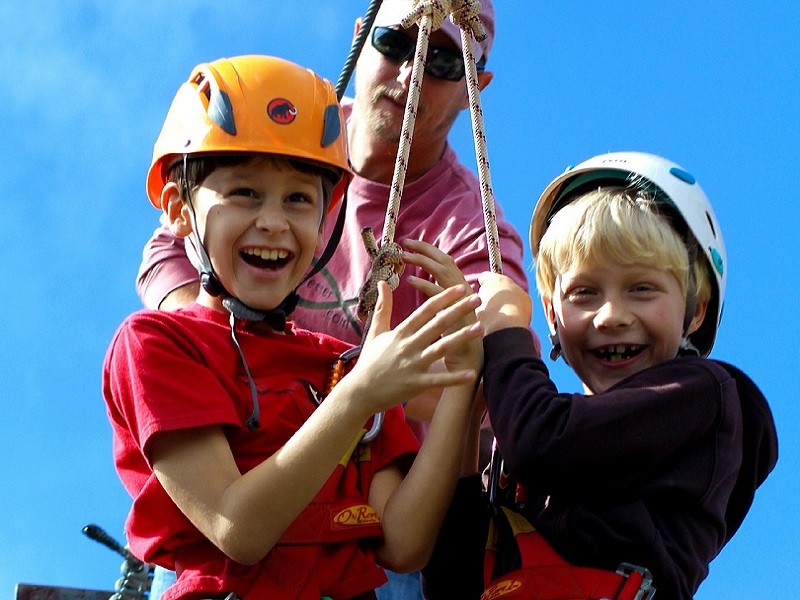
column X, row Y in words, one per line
column 385, row 127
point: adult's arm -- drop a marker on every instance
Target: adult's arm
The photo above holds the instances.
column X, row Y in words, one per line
column 166, row 275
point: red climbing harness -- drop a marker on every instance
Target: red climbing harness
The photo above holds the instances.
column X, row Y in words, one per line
column 544, row 575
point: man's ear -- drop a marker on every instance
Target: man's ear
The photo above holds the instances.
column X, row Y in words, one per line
column 357, row 27
column 484, row 79
column 176, row 210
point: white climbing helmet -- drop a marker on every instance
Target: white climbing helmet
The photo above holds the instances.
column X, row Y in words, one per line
column 673, row 185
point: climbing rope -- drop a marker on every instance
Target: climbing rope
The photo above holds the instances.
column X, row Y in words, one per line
column 387, row 264
column 467, row 19
column 429, row 16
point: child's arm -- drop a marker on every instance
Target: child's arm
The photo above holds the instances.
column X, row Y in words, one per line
column 245, row 514
column 412, row 510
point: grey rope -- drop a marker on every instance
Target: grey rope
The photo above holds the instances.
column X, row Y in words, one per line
column 355, row 48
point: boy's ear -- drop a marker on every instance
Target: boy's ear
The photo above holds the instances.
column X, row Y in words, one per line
column 177, row 211
column 549, row 312
column 699, row 317
column 321, row 236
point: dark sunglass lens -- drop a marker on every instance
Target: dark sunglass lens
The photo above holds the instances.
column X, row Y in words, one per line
column 392, row 44
column 398, row 47
column 445, row 65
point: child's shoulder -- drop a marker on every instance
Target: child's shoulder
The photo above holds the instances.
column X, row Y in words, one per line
column 192, row 313
column 690, row 369
column 316, row 338
column 191, row 321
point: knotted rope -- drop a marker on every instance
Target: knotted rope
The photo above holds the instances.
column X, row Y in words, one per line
column 387, row 265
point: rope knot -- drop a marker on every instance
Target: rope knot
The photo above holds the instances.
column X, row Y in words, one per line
column 387, row 265
column 437, row 10
column 466, row 16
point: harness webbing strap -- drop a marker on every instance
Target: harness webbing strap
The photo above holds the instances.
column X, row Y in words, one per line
column 544, row 575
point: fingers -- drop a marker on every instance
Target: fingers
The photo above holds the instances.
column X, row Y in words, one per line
column 438, row 264
column 423, row 285
column 382, row 315
column 439, row 312
column 503, row 303
column 442, row 324
column 491, row 282
column 448, row 344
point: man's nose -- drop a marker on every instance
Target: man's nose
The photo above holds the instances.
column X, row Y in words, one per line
column 404, row 72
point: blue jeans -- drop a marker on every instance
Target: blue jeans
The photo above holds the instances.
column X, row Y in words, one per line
column 401, row 586
column 162, row 579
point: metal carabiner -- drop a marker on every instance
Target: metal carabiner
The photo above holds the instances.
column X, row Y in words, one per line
column 337, row 372
column 377, row 423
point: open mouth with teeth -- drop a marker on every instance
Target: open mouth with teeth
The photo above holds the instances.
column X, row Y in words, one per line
column 263, row 258
column 617, row 353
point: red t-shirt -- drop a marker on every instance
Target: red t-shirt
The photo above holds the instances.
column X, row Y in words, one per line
column 166, row 371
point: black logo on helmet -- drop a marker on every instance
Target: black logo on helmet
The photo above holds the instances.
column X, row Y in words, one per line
column 281, row 111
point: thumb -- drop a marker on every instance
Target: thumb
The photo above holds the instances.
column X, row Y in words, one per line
column 484, row 277
column 382, row 316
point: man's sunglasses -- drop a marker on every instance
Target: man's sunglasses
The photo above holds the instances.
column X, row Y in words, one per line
column 440, row 63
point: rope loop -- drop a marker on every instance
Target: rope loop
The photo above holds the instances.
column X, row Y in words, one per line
column 387, row 265
column 437, row 10
column 466, row 16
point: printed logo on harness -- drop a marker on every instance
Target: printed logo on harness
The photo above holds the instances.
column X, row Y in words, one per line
column 281, row 111
column 502, row 588
column 358, row 514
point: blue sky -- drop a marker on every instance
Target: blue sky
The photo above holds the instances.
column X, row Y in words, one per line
column 85, row 88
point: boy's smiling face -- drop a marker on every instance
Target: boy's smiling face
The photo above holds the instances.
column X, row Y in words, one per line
column 261, row 224
column 615, row 320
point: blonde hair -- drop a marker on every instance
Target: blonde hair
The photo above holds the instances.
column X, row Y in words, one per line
column 617, row 224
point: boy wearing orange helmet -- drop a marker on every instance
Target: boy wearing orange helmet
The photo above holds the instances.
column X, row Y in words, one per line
column 246, row 477
column 635, row 485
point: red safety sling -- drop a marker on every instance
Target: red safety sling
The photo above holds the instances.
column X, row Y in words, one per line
column 544, row 575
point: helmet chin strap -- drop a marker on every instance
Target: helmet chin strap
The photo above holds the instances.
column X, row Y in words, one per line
column 555, row 351
column 686, row 347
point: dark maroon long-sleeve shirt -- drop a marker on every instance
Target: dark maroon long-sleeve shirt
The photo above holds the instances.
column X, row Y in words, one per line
column 658, row 470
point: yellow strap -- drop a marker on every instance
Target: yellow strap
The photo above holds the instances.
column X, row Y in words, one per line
column 519, row 524
column 352, row 448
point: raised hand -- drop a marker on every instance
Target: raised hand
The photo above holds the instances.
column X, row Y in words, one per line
column 442, row 267
column 503, row 303
column 395, row 364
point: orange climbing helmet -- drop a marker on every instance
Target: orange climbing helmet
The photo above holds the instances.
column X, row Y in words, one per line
column 253, row 104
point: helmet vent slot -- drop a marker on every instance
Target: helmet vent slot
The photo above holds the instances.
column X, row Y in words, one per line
column 711, row 225
column 203, row 85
